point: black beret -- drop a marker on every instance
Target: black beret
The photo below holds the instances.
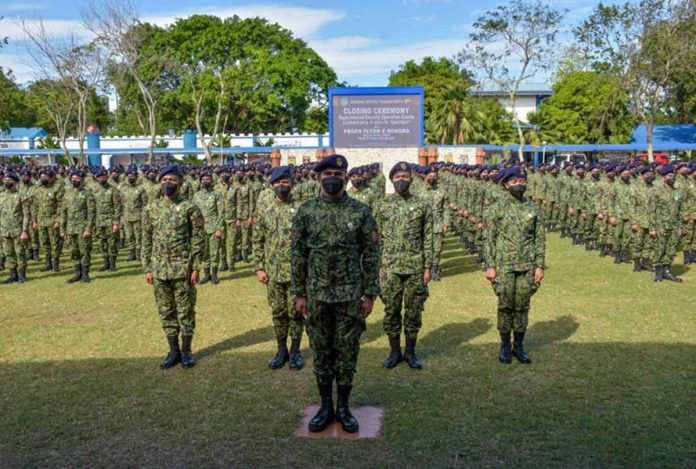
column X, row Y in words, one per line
column 332, row 162
column 400, row 167
column 12, row 175
column 281, row 172
column 514, row 172
column 170, row 169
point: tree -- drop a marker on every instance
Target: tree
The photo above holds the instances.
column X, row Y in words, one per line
column 118, row 29
column 54, row 100
column 586, row 107
column 13, row 107
column 436, row 76
column 511, row 44
column 645, row 43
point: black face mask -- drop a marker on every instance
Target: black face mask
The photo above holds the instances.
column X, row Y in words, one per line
column 207, row 185
column 169, row 189
column 226, row 178
column 625, row 178
column 670, row 181
column 649, row 179
column 103, row 183
column 595, row 175
column 401, row 186
column 9, row 185
column 132, row 180
column 432, row 182
column 518, row 191
column 282, row 191
column 239, row 178
column 114, row 178
column 76, row 183
column 44, row 182
column 332, row 185
column 357, row 182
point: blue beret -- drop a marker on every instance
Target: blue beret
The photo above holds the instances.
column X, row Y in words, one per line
column 12, row 175
column 332, row 162
column 646, row 169
column 132, row 170
column 513, row 172
column 169, row 169
column 400, row 167
column 100, row 172
column 77, row 172
column 354, row 172
column 205, row 173
column 281, row 172
column 666, row 169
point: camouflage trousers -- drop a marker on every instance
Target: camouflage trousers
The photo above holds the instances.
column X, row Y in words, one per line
column 514, row 291
column 334, row 331
column 51, row 242
column 240, row 240
column 134, row 232
column 176, row 304
column 665, row 248
column 80, row 250
column 15, row 251
column 689, row 238
column 286, row 320
column 34, row 238
column 642, row 245
column 622, row 236
column 588, row 226
column 407, row 291
column 211, row 251
column 438, row 237
column 606, row 232
column 561, row 216
column 107, row 240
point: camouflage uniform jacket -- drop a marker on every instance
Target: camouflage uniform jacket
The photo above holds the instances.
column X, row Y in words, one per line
column 47, row 200
column 78, row 211
column 108, row 203
column 272, row 239
column 514, row 237
column 212, row 207
column 406, row 234
column 134, row 201
column 15, row 213
column 335, row 250
column 173, row 238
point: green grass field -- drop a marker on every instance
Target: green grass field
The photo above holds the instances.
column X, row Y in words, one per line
column 613, row 381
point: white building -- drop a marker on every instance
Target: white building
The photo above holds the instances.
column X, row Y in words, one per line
column 527, row 100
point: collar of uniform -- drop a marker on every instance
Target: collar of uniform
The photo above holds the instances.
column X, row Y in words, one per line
column 332, row 200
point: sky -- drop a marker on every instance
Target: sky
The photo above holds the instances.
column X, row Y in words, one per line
column 363, row 40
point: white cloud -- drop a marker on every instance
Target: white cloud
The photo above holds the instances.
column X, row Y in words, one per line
column 302, row 21
column 356, row 57
column 15, row 62
column 58, row 28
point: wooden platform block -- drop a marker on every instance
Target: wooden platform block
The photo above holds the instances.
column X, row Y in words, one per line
column 370, row 419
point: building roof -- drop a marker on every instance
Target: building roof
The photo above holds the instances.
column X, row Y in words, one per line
column 17, row 133
column 525, row 89
column 666, row 134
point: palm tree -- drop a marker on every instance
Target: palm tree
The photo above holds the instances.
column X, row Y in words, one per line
column 455, row 120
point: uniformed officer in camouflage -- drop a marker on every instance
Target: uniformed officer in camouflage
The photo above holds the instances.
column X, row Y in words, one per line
column 78, row 217
column 272, row 262
column 211, row 205
column 514, row 256
column 15, row 218
column 335, row 279
column 405, row 223
column 667, row 210
column 134, row 199
column 436, row 199
column 108, row 217
column 173, row 240
column 27, row 188
column 47, row 201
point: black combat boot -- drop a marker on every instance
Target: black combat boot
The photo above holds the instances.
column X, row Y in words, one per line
column 12, row 278
column 206, row 276
column 137, row 255
column 325, row 415
column 78, row 275
column 214, row 280
column 22, row 275
column 479, row 259
column 518, row 349
column 348, row 423
column 48, row 265
column 659, row 273
column 505, row 354
column 187, row 358
column 435, row 273
column 36, row 257
column 131, row 255
column 56, row 264
column 668, row 275
column 105, row 266
column 85, row 274
column 645, row 265
column 687, row 257
column 410, row 354
column 2, row 263
column 296, row 359
column 282, row 356
column 637, row 266
column 224, row 267
column 174, row 355
column 617, row 257
column 625, row 259
column 112, row 263
column 394, row 357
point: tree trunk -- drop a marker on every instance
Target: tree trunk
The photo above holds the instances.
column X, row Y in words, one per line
column 649, row 127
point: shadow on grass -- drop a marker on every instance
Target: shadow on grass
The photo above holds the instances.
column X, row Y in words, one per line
column 246, row 339
column 544, row 333
column 449, row 337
